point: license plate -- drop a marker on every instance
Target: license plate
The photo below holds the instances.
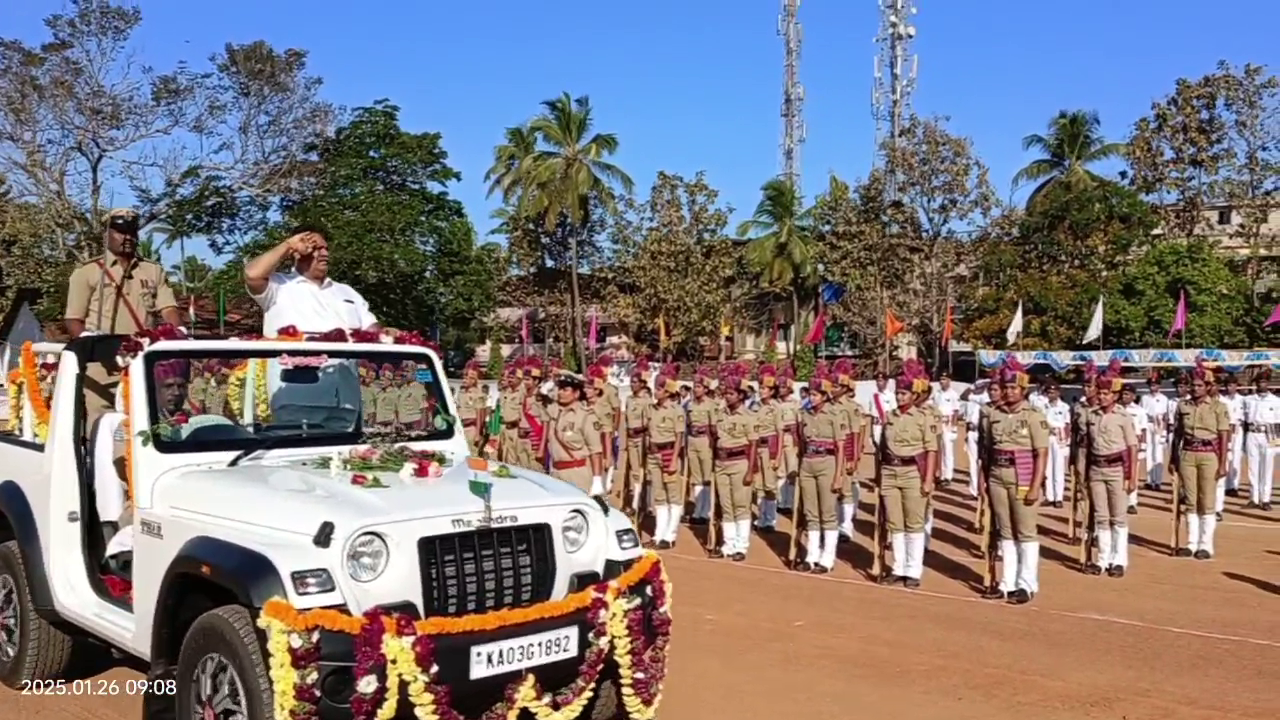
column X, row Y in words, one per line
column 519, row 653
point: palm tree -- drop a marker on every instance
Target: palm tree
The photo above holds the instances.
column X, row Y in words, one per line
column 565, row 178
column 519, row 142
column 780, row 244
column 1073, row 143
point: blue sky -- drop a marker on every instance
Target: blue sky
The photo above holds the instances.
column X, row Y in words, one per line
column 696, row 85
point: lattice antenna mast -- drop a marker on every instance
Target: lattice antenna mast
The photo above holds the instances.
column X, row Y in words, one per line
column 793, row 129
column 895, row 76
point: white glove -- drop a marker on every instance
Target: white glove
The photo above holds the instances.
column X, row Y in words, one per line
column 597, row 486
column 608, row 480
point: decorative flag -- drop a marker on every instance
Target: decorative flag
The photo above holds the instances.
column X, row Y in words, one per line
column 1275, row 317
column 1015, row 325
column 524, row 327
column 591, row 332
column 1180, row 316
column 892, row 325
column 831, row 293
column 662, row 331
column 819, row 329
column 481, row 482
column 1095, row 325
column 948, row 327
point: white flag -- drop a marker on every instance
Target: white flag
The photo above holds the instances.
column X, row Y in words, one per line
column 1095, row 325
column 1015, row 325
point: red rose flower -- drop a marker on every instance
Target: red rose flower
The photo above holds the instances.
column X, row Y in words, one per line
column 359, row 479
column 179, row 419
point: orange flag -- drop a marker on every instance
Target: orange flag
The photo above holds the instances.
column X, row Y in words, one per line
column 948, row 328
column 892, row 325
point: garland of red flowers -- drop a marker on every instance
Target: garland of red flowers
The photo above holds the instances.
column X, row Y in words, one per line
column 393, row 653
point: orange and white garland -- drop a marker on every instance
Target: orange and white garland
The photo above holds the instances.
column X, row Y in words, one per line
column 402, row 651
column 25, row 379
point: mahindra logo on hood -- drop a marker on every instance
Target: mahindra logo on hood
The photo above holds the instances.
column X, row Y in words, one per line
column 482, row 522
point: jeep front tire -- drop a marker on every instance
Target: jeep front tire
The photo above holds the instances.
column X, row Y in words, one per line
column 220, row 668
column 31, row 649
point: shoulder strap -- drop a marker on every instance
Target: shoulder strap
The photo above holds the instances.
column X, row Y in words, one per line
column 120, row 296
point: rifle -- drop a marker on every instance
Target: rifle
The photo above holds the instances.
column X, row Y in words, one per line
column 877, row 539
column 797, row 517
column 713, row 526
column 1073, row 530
column 1175, row 514
column 1088, row 538
column 987, row 528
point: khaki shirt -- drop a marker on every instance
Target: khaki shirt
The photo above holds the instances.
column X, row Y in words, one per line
column 1204, row 420
column 411, row 403
column 768, row 419
column 369, row 400
column 790, row 412
column 636, row 416
column 387, row 401
column 510, row 404
column 826, row 425
column 144, row 288
column 1022, row 429
column 909, row 433
column 606, row 413
column 702, row 413
column 665, row 423
column 1110, row 432
column 852, row 412
column 1081, row 415
column 198, row 394
column 736, row 429
column 215, row 398
column 575, row 433
column 470, row 401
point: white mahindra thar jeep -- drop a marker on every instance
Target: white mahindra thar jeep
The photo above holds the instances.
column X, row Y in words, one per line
column 326, row 474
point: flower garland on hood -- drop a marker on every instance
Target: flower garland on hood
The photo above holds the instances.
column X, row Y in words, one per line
column 402, row 651
column 25, row 379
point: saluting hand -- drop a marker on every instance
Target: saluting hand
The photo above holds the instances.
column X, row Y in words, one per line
column 302, row 244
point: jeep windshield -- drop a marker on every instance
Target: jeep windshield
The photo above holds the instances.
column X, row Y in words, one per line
column 211, row 400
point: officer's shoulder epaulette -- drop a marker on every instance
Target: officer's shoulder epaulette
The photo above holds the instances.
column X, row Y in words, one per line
column 92, row 261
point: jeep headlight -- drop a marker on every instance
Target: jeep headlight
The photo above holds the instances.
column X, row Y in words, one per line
column 573, row 531
column 367, row 557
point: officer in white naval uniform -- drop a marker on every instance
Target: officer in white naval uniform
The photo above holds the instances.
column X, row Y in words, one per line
column 974, row 398
column 883, row 402
column 947, row 402
column 1262, row 440
column 1156, row 405
column 1234, row 401
column 1058, row 414
column 1141, row 427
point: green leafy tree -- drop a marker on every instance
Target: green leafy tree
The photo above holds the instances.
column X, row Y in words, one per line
column 673, row 260
column 566, row 181
column 1143, row 307
column 398, row 237
column 780, row 245
column 1057, row 259
column 1074, row 141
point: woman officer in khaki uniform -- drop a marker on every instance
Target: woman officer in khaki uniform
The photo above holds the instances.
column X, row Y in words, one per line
column 664, row 446
column 735, row 434
column 822, row 436
column 907, row 457
column 1200, row 443
column 769, row 433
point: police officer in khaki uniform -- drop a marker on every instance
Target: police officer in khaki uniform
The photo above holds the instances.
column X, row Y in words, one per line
column 702, row 416
column 789, row 408
column 1019, row 454
column 769, row 443
column 664, row 446
column 472, row 410
column 531, row 411
column 634, row 419
column 823, row 432
column 573, row 438
column 598, row 403
column 387, row 399
column 1201, row 435
column 510, row 401
column 116, row 294
column 924, row 401
column 411, row 403
column 907, row 458
column 735, row 433
column 1111, row 450
column 845, row 374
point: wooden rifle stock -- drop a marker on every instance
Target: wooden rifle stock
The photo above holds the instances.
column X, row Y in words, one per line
column 1073, row 521
column 1087, row 534
column 1175, row 513
column 713, row 524
column 987, row 528
column 797, row 517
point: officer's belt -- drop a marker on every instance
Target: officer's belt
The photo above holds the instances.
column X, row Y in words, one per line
column 733, row 453
column 635, row 432
column 568, row 464
column 1199, row 445
column 1107, row 461
column 468, row 422
column 765, row 440
column 891, row 460
column 660, row 446
column 698, row 430
column 819, row 449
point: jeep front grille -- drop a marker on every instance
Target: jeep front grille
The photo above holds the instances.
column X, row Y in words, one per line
column 487, row 569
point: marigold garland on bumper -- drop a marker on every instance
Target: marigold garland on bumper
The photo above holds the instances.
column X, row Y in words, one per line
column 403, row 651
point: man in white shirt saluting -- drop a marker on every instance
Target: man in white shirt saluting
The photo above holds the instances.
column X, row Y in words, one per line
column 305, row 297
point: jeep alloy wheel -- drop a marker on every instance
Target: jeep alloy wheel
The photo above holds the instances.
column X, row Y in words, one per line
column 217, row 693
column 10, row 619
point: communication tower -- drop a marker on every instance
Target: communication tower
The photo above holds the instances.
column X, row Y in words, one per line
column 895, row 73
column 793, row 129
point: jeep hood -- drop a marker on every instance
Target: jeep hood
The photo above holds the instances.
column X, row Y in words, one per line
column 294, row 497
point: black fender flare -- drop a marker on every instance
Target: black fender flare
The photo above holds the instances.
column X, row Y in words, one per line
column 248, row 574
column 17, row 509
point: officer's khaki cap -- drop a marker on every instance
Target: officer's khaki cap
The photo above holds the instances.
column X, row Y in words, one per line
column 120, row 214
